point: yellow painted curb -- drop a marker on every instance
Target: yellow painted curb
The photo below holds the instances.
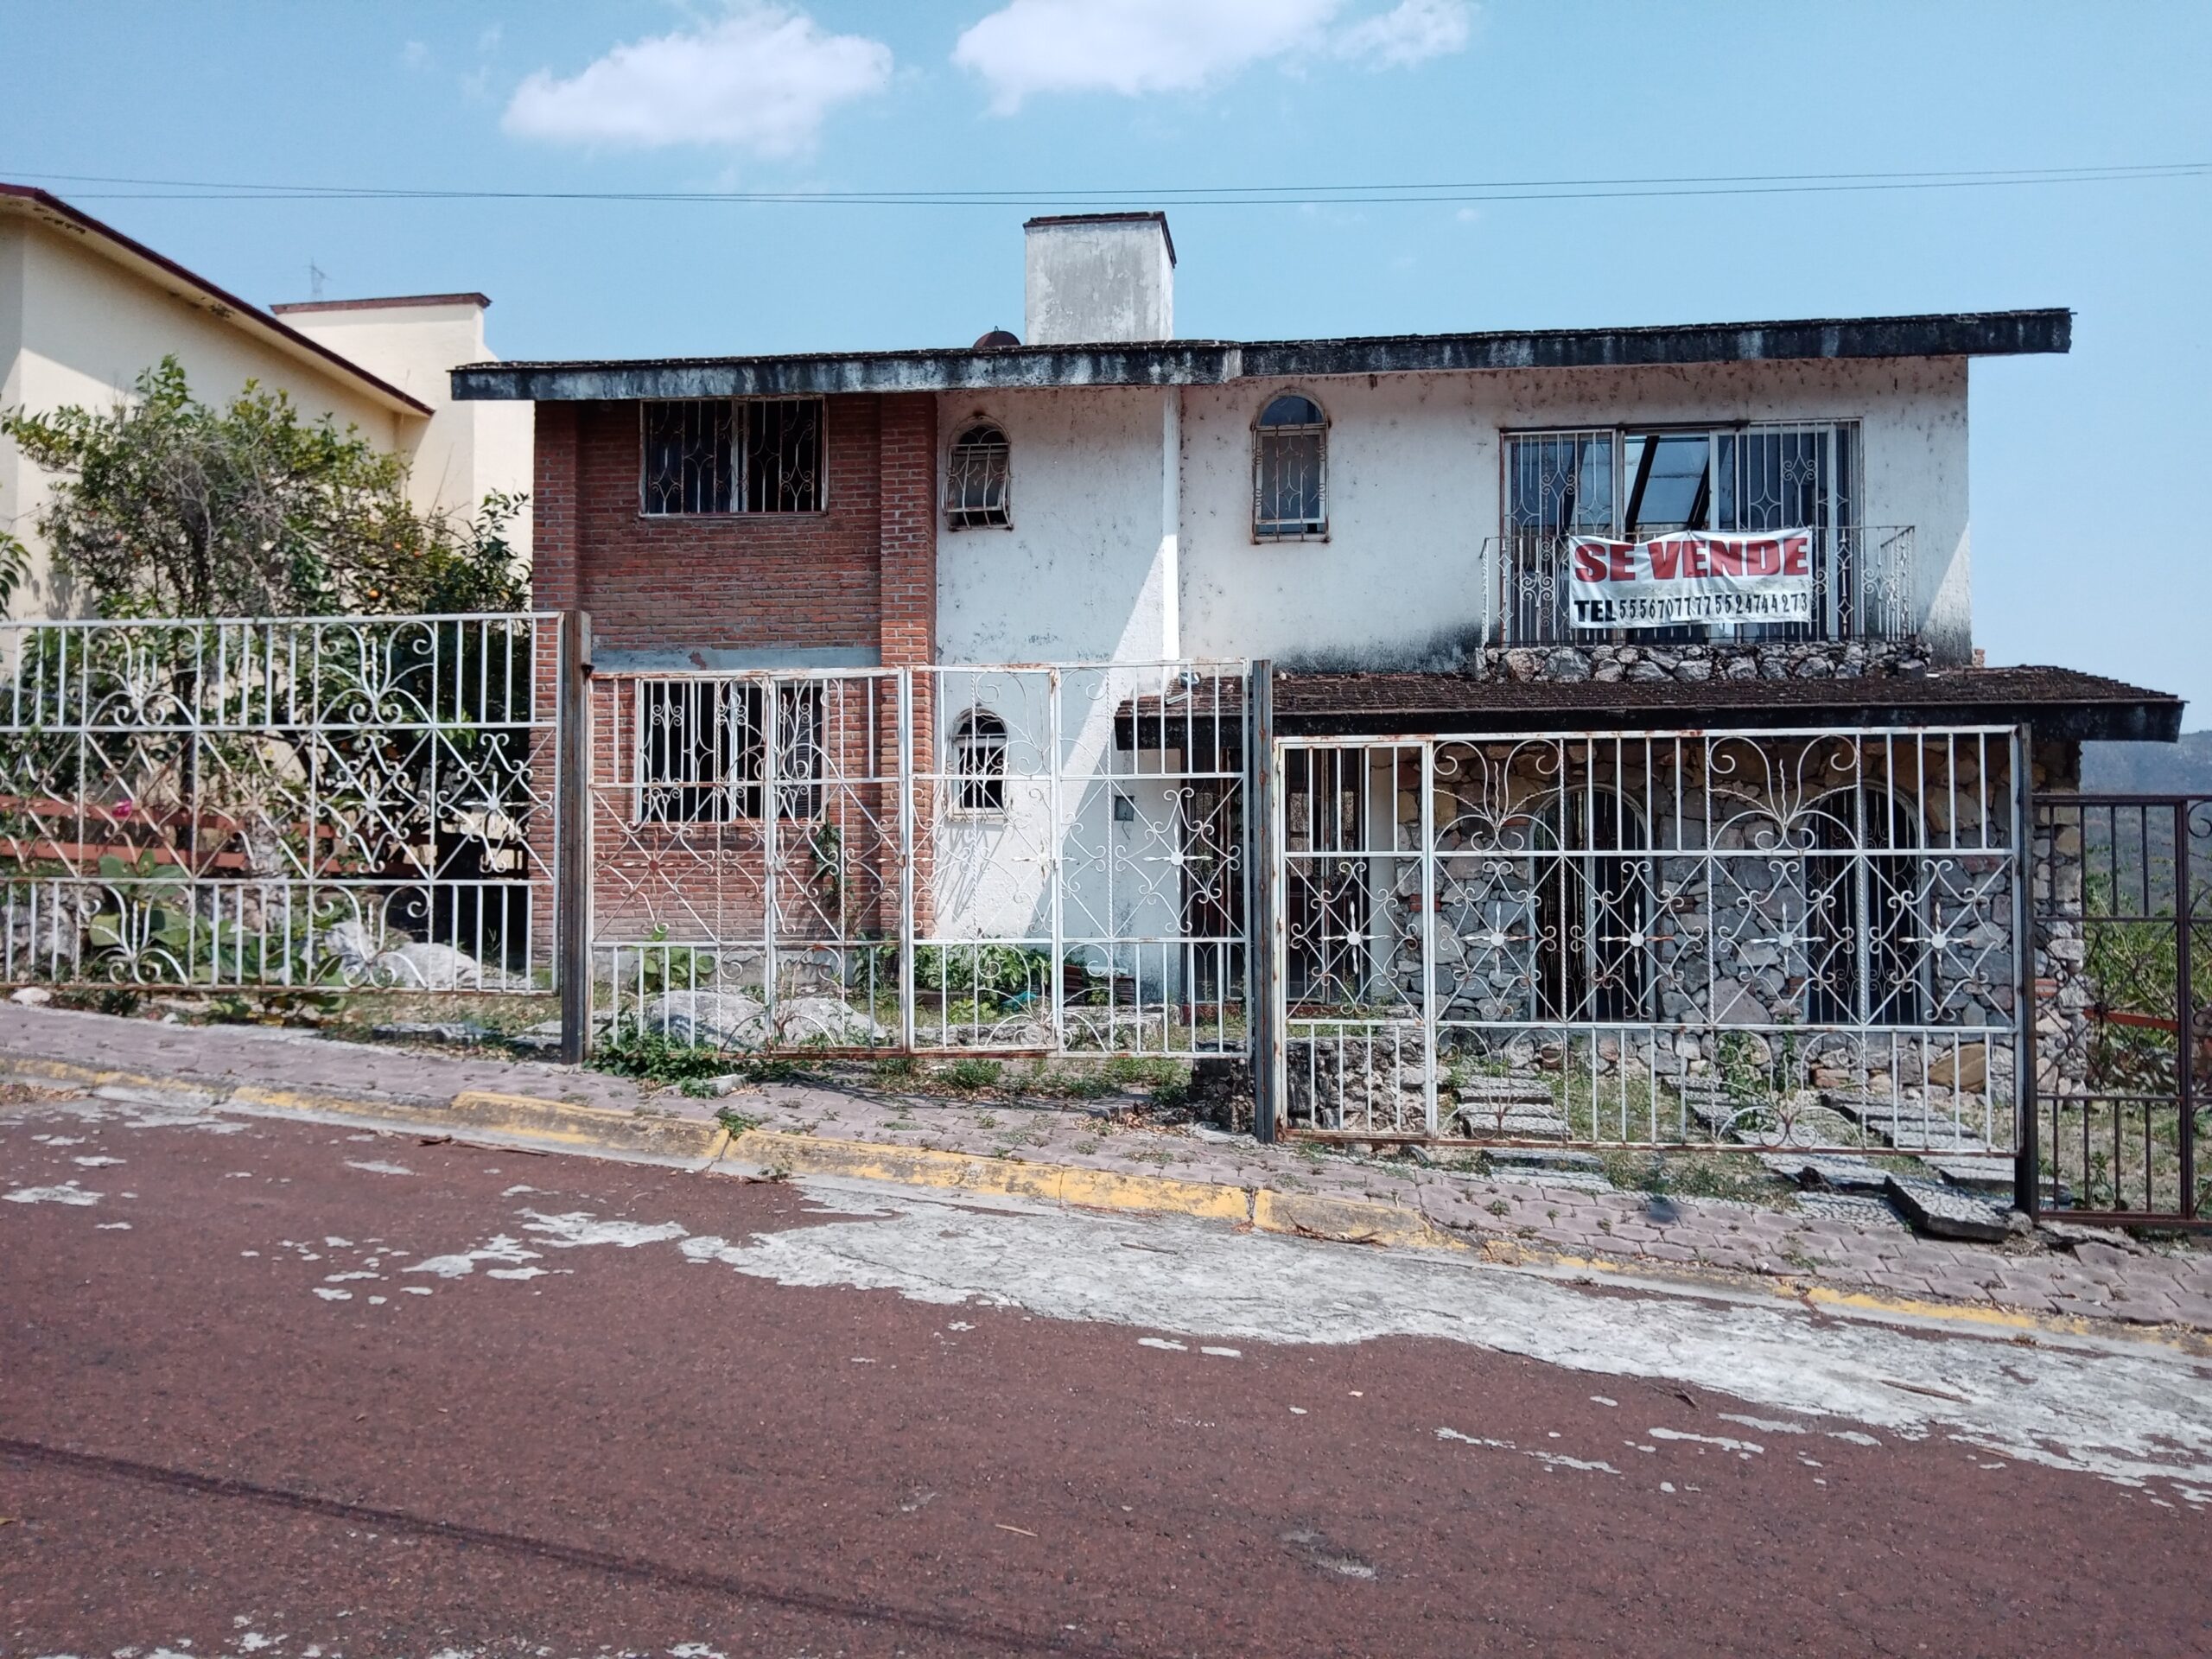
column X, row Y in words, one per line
column 1094, row 1189
column 570, row 1124
column 1348, row 1221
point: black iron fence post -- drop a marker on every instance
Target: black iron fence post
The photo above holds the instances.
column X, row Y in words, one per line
column 572, row 821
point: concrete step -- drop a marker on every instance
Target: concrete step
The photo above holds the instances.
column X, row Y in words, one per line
column 1838, row 1172
column 1943, row 1211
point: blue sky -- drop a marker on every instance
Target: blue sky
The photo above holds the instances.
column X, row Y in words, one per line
column 1132, row 96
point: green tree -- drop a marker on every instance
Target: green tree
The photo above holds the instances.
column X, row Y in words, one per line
column 165, row 506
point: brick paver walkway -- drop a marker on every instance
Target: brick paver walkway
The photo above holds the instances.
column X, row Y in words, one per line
column 2121, row 1280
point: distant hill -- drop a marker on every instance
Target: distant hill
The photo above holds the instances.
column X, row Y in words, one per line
column 2183, row 768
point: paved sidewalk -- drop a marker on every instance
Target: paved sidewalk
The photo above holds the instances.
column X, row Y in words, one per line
column 2084, row 1278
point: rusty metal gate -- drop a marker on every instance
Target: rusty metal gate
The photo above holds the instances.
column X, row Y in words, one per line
column 2122, row 1033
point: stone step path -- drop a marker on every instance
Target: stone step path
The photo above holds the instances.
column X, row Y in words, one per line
column 1837, row 1172
column 1910, row 1125
column 1517, row 1108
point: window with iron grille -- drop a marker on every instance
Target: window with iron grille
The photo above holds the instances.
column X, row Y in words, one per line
column 1640, row 484
column 1290, row 458
column 1637, row 484
column 975, row 477
column 702, row 748
column 761, row 455
column 979, row 762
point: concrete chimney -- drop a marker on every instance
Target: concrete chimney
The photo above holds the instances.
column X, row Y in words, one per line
column 1099, row 279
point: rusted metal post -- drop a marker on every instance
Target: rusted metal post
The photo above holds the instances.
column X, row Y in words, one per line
column 572, row 837
column 1263, row 934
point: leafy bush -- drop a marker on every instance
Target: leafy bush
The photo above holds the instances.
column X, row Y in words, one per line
column 1000, row 972
column 652, row 1055
column 165, row 506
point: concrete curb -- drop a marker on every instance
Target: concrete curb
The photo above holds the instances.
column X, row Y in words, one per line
column 548, row 1125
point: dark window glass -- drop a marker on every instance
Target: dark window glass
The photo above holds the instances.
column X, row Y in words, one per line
column 1561, row 483
column 975, row 479
column 782, row 456
column 979, row 762
column 703, row 745
column 1290, row 468
column 687, row 458
column 1669, row 483
column 763, row 456
column 1865, row 935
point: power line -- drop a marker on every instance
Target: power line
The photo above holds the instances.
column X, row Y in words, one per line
column 1496, row 190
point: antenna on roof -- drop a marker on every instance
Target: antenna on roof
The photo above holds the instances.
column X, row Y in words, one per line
column 316, row 278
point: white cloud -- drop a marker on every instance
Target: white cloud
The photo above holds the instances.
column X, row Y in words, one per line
column 1131, row 47
column 1413, row 30
column 415, row 55
column 1135, row 46
column 763, row 78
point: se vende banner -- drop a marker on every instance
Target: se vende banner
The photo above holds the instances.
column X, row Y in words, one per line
column 1690, row 576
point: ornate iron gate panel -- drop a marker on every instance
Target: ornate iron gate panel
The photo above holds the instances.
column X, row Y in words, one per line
column 751, row 854
column 1803, row 938
column 2123, row 1027
column 305, row 803
column 1084, row 887
column 1026, row 860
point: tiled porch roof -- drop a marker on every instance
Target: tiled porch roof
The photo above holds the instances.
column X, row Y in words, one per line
column 2060, row 703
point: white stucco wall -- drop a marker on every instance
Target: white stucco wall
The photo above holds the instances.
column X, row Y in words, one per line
column 1086, row 573
column 1112, row 557
column 466, row 450
column 77, row 328
column 1415, row 474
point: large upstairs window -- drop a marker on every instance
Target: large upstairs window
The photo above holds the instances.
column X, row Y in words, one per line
column 1635, row 482
column 758, row 454
column 1640, row 483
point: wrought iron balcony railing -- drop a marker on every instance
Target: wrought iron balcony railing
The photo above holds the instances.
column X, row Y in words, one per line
column 1862, row 589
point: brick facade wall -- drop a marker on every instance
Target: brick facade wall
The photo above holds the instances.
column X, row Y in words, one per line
column 862, row 572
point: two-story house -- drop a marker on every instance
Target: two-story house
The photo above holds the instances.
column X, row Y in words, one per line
column 1625, row 678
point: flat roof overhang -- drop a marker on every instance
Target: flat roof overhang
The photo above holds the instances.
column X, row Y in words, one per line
column 1212, row 362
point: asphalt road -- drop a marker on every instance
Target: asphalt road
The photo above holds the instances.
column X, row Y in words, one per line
column 297, row 1390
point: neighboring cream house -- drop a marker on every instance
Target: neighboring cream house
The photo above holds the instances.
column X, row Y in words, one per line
column 85, row 310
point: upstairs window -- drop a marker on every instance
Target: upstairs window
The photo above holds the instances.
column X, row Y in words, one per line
column 703, row 747
column 1637, row 484
column 1290, row 458
column 975, row 479
column 979, row 762
column 1640, row 484
column 713, row 456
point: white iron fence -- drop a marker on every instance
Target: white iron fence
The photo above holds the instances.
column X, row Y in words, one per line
column 293, row 802
column 1027, row 860
column 1806, row 939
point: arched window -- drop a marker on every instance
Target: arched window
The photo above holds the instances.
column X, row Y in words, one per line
column 1865, row 937
column 975, row 479
column 1591, row 907
column 979, row 762
column 1290, row 464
